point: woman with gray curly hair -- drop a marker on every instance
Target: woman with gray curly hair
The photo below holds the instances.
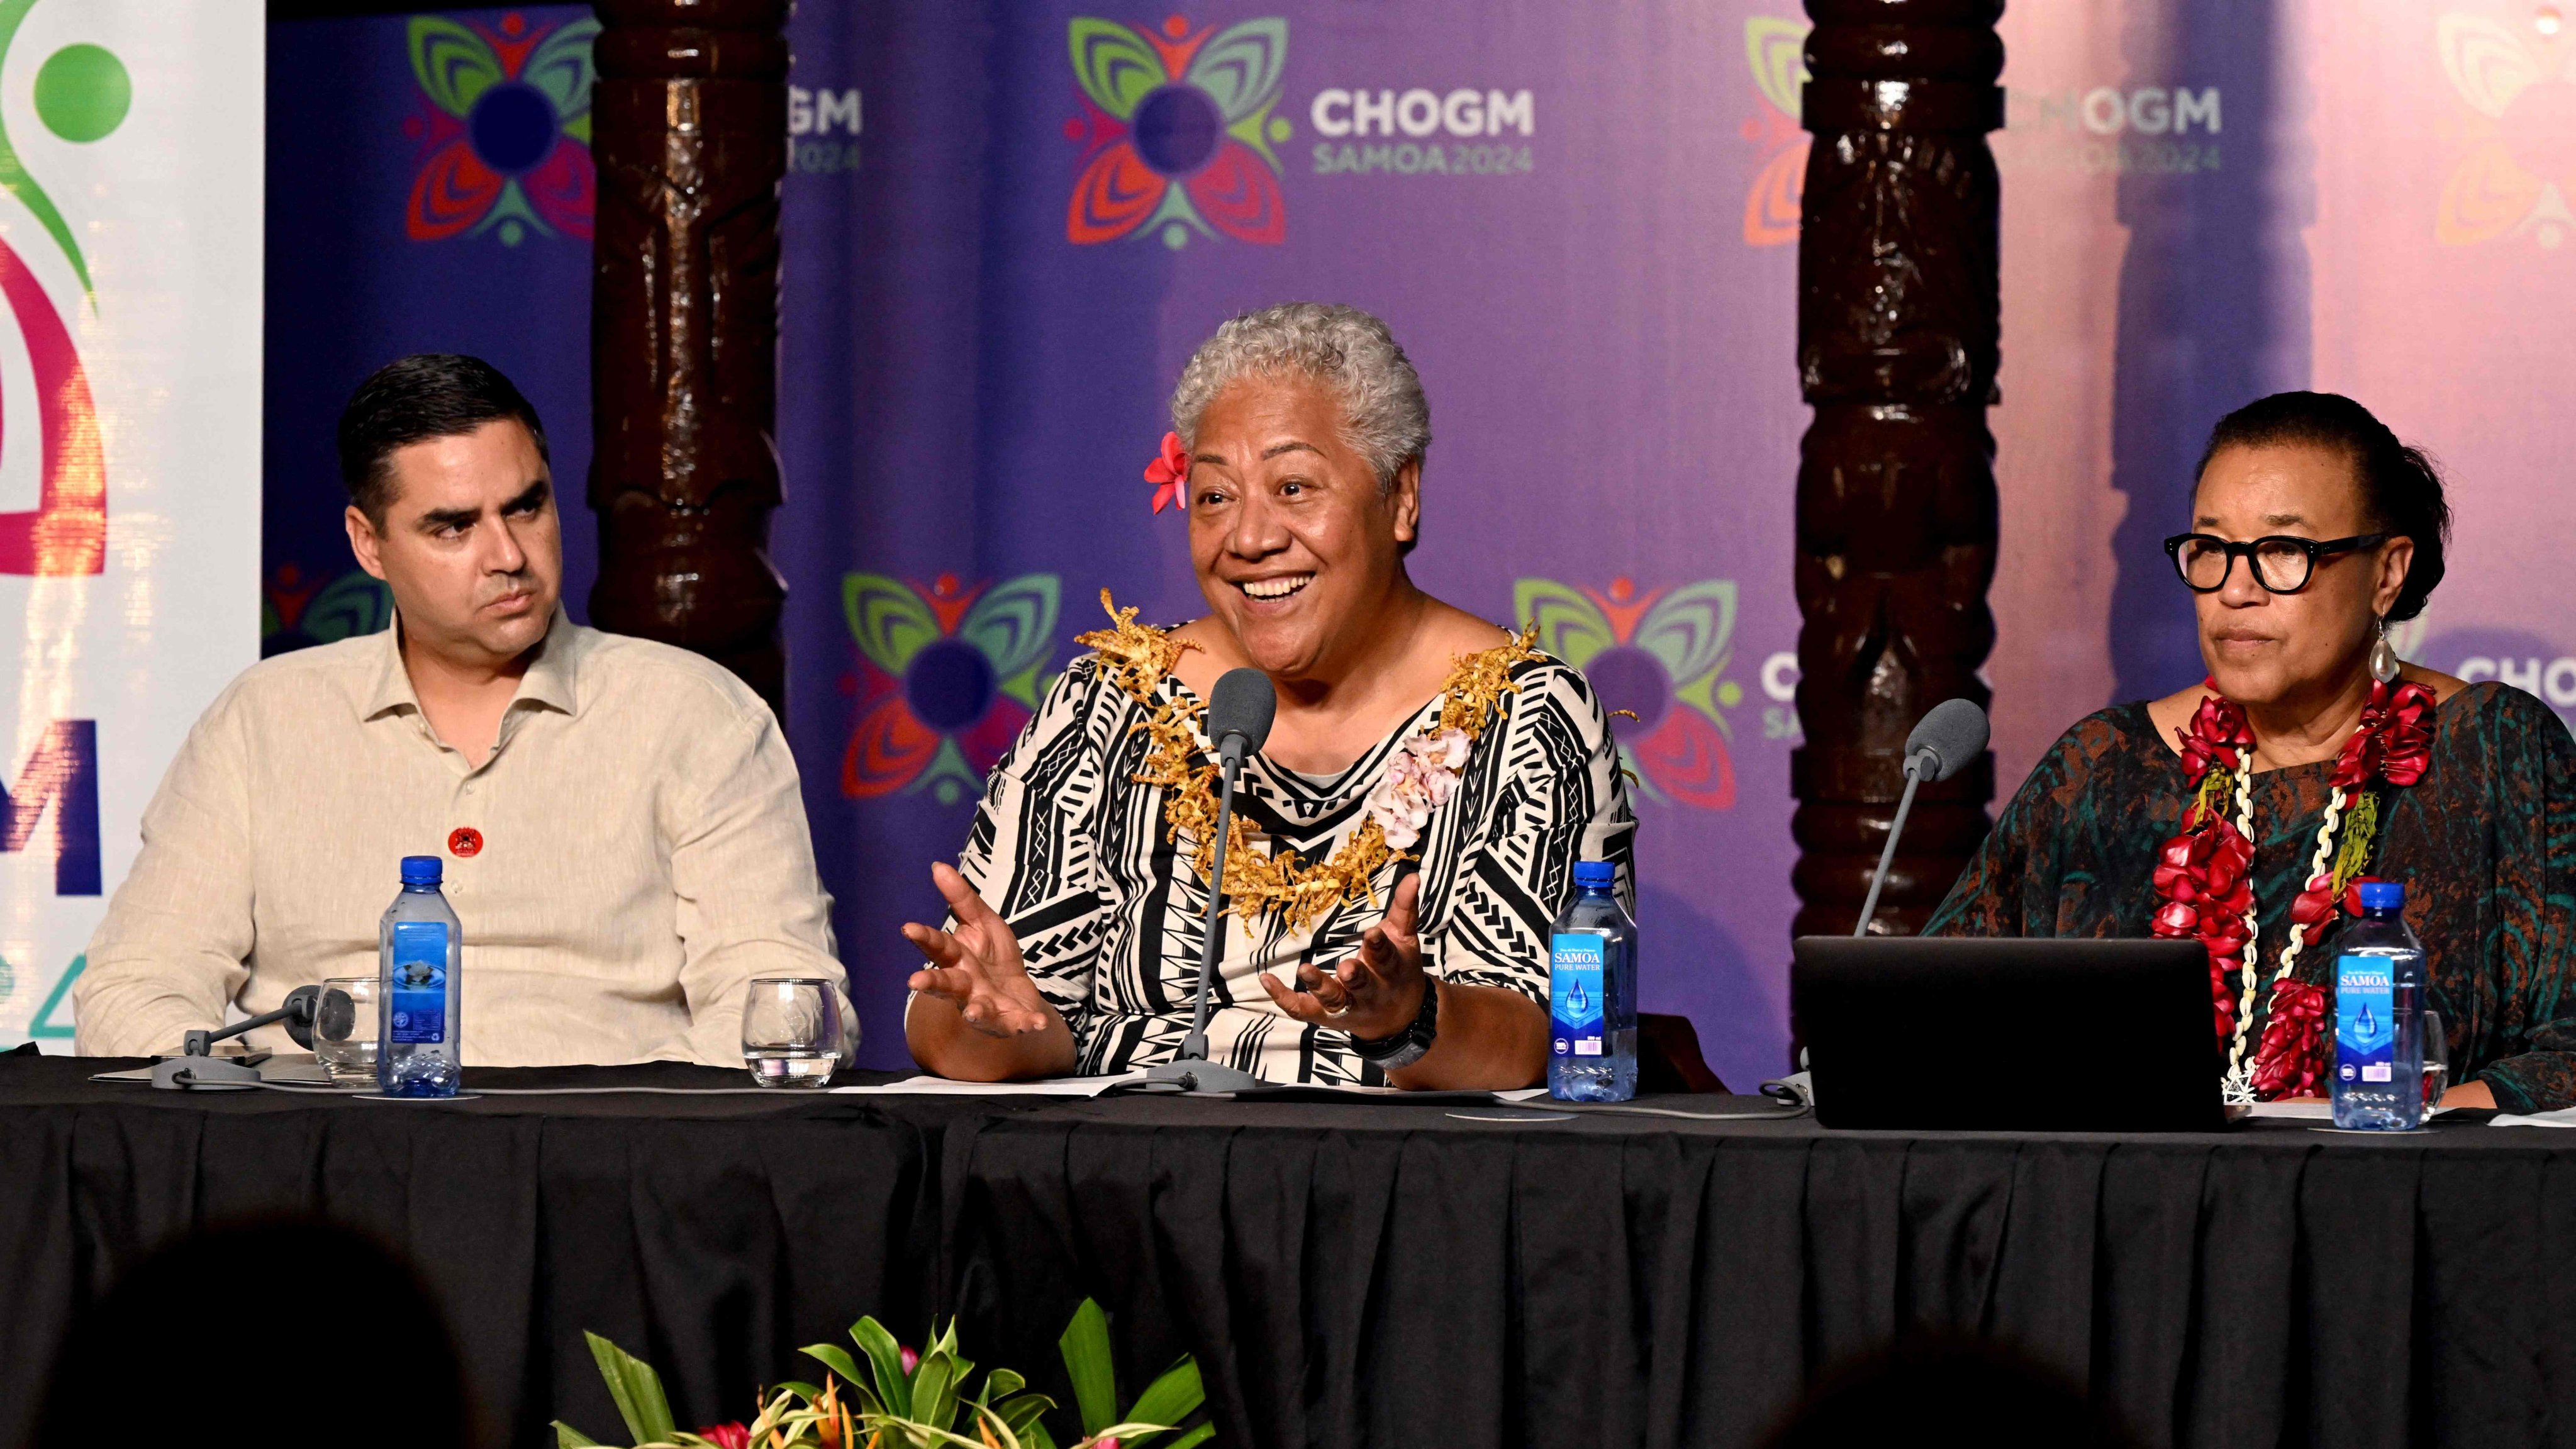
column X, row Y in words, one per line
column 1404, row 838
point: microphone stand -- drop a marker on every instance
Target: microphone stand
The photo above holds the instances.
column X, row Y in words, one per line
column 196, row 1066
column 1191, row 1071
column 1917, row 765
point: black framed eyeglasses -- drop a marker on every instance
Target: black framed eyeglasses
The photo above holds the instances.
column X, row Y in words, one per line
column 2281, row 563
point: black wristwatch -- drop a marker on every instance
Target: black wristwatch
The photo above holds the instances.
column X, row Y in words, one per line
column 1394, row 1053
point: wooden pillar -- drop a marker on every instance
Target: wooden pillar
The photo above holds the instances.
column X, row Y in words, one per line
column 690, row 117
column 1896, row 492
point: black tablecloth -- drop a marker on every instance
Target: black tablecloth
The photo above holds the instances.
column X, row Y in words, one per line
column 1371, row 1273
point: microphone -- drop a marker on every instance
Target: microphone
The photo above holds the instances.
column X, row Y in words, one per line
column 197, row 1067
column 1239, row 713
column 1942, row 744
column 1240, row 710
column 1948, row 738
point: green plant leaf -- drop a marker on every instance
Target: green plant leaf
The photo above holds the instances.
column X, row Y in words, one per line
column 1022, row 1413
column 1131, row 1429
column 986, row 1423
column 1197, row 1436
column 1173, row 1397
column 838, row 1360
column 1085, row 1346
column 568, row 1437
column 805, row 1393
column 1001, row 1383
column 894, row 1387
column 934, row 1391
column 636, row 1389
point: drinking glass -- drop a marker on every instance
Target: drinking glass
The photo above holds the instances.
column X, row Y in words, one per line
column 344, row 1030
column 791, row 1030
column 2437, row 1060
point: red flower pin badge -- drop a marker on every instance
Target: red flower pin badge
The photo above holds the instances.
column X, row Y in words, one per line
column 1170, row 470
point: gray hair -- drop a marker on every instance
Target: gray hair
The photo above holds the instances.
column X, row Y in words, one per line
column 1384, row 414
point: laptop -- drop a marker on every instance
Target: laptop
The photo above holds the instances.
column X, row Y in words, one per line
column 1959, row 1034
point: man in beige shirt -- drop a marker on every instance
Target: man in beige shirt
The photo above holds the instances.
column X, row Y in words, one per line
column 619, row 821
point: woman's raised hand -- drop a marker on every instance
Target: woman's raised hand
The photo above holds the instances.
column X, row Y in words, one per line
column 977, row 967
column 1374, row 992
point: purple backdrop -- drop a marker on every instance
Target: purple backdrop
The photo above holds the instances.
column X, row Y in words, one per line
column 986, row 316
column 1009, row 223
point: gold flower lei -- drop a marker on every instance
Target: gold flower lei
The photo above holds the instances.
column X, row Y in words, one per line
column 1134, row 658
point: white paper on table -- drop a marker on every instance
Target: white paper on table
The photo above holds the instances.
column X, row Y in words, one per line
column 2314, row 1111
column 2563, row 1117
column 2324, row 1112
column 929, row 1086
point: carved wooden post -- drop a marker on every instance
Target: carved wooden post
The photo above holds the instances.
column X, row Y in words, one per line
column 690, row 116
column 1896, row 491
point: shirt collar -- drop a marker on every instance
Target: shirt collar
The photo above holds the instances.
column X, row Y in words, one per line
column 550, row 681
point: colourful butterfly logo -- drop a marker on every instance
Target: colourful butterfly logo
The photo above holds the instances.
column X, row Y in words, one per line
column 1176, row 132
column 1776, row 49
column 950, row 674
column 2520, row 90
column 1662, row 657
column 505, row 132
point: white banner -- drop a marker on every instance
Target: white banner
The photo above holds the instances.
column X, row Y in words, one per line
column 131, row 166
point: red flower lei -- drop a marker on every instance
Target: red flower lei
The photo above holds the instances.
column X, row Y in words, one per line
column 2204, row 875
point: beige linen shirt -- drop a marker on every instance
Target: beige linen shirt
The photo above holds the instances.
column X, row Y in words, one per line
column 643, row 855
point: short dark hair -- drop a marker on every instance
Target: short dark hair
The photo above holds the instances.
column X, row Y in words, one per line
column 2401, row 489
column 416, row 398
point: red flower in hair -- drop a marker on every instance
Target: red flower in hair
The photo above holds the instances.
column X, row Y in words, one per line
column 1172, row 471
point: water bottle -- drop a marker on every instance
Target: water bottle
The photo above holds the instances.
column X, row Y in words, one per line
column 418, row 949
column 2378, row 1079
column 1592, row 993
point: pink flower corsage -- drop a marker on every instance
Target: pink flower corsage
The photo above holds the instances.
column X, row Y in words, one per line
column 1171, row 471
column 1419, row 779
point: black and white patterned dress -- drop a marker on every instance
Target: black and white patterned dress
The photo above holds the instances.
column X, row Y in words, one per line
column 1072, row 852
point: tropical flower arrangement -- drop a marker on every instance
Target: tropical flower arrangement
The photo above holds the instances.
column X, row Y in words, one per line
column 916, row 1400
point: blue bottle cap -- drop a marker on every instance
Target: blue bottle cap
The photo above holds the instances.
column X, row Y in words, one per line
column 1595, row 874
column 422, row 870
column 2383, row 895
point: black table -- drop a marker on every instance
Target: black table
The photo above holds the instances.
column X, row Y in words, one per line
column 1369, row 1273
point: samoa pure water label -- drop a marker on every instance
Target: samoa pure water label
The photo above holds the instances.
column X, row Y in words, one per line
column 418, row 1012
column 1574, row 992
column 2365, row 1020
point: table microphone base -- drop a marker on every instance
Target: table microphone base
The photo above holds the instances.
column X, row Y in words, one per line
column 1194, row 1075
column 203, row 1074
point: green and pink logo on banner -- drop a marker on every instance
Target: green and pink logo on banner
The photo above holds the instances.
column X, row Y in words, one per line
column 1176, row 130
column 1660, row 657
column 81, row 95
column 947, row 676
column 504, row 129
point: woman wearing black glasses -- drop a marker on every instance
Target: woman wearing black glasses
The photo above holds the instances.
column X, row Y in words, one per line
column 2242, row 812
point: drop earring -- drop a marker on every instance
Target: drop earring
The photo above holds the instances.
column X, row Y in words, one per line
column 2383, row 657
